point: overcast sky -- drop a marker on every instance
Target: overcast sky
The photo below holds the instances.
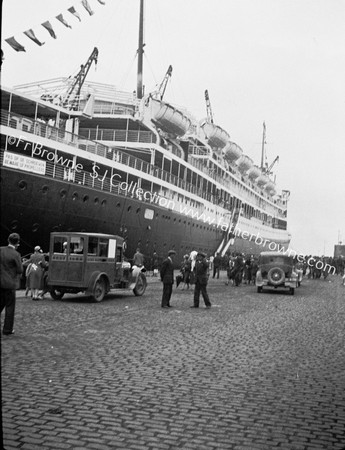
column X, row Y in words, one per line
column 278, row 61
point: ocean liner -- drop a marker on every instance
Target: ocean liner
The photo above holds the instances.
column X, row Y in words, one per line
column 98, row 159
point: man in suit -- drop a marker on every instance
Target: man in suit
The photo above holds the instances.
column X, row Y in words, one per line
column 10, row 270
column 167, row 277
column 216, row 265
column 201, row 279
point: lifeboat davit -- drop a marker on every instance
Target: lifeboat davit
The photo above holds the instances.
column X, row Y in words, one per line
column 232, row 152
column 262, row 180
column 216, row 136
column 254, row 172
column 244, row 164
column 169, row 119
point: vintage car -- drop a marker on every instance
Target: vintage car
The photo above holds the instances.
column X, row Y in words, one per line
column 92, row 263
column 276, row 271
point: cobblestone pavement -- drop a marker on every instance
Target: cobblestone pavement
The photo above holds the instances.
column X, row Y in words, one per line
column 254, row 372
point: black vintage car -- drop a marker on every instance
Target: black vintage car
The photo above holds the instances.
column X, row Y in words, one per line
column 276, row 270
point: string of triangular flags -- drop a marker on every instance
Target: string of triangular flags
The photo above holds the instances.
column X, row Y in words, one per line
column 49, row 27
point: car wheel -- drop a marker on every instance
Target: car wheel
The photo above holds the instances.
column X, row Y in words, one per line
column 99, row 290
column 140, row 286
column 276, row 276
column 56, row 294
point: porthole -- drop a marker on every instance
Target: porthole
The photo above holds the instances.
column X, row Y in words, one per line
column 137, row 211
column 85, row 198
column 129, row 208
column 118, row 204
column 96, row 200
column 35, row 227
column 22, row 185
column 75, row 196
column 14, row 225
column 45, row 189
column 63, row 193
column 104, row 202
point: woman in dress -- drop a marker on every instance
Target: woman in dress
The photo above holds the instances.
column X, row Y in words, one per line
column 37, row 264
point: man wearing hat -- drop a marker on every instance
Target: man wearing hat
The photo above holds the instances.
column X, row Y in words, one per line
column 167, row 277
column 11, row 268
column 201, row 279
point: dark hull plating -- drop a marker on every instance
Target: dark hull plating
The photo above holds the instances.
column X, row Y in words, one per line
column 34, row 206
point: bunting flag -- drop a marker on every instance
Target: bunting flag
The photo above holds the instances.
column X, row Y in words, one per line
column 86, row 5
column 30, row 34
column 73, row 11
column 62, row 20
column 14, row 44
column 47, row 26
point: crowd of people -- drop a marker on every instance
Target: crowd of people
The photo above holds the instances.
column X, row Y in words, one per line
column 194, row 270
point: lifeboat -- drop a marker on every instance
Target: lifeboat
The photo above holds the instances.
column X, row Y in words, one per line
column 270, row 188
column 244, row 164
column 169, row 119
column 262, row 180
column 254, row 172
column 232, row 152
column 216, row 136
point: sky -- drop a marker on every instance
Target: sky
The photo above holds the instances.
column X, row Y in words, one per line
column 281, row 62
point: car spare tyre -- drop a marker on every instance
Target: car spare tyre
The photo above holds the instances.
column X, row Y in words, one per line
column 276, row 276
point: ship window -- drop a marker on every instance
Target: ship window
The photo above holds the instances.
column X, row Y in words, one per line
column 104, row 202
column 137, row 211
column 45, row 189
column 14, row 225
column 63, row 193
column 129, row 208
column 75, row 196
column 35, row 227
column 22, row 185
column 118, row 204
column 85, row 198
column 149, row 214
column 96, row 200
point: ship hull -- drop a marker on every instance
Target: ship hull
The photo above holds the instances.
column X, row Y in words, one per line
column 35, row 206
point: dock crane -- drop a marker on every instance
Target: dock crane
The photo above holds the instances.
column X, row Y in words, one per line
column 208, row 107
column 75, row 89
column 270, row 167
column 267, row 169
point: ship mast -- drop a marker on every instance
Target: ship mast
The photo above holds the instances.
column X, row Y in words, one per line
column 140, row 51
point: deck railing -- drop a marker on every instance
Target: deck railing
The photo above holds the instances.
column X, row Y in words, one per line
column 50, row 132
